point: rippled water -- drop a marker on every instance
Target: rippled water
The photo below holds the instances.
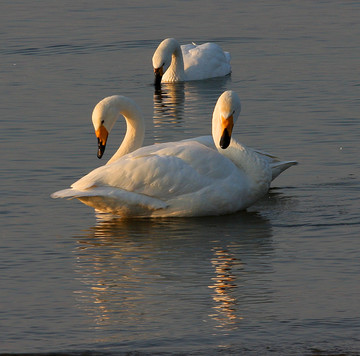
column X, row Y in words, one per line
column 281, row 278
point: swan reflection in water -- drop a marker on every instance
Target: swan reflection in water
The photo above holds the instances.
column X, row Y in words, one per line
column 138, row 272
column 176, row 107
column 169, row 102
column 224, row 285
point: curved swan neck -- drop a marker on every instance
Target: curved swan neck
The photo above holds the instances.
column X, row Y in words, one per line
column 176, row 68
column 257, row 169
column 135, row 126
column 175, row 72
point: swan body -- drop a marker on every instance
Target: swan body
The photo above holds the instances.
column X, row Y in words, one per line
column 195, row 177
column 175, row 63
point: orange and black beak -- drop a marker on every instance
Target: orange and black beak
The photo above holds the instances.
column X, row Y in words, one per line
column 227, row 125
column 102, row 135
column 159, row 72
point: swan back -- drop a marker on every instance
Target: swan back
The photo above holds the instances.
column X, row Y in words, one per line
column 207, row 60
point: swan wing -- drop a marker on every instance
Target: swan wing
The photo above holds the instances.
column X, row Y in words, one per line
column 207, row 141
column 203, row 61
column 172, row 179
column 161, row 170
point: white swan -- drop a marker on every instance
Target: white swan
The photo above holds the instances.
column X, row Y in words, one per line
column 175, row 63
column 184, row 178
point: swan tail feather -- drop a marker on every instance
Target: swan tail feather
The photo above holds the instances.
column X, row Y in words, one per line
column 278, row 167
column 65, row 193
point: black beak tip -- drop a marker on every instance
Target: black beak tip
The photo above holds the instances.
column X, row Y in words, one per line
column 225, row 140
column 222, row 146
column 101, row 150
column 157, row 81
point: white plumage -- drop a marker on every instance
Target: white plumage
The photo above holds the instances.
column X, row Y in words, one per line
column 175, row 63
column 201, row 176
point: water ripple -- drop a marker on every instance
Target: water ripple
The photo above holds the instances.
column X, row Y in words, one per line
column 85, row 47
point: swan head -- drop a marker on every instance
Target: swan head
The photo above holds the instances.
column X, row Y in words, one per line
column 161, row 59
column 226, row 113
column 104, row 117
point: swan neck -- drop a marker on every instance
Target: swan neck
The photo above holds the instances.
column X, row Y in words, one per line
column 176, row 72
column 135, row 132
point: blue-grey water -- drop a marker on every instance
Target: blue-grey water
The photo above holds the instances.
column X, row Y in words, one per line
column 282, row 278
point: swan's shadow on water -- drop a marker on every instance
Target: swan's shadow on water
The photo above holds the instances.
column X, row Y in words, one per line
column 121, row 262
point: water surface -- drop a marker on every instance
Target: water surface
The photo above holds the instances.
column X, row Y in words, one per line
column 281, row 278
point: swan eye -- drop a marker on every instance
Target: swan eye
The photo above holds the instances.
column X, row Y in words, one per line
column 102, row 121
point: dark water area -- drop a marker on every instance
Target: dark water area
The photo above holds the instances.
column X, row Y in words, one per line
column 281, row 278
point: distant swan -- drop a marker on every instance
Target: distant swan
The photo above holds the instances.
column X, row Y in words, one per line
column 175, row 63
column 184, row 178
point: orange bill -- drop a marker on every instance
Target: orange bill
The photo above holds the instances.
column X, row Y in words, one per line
column 227, row 125
column 102, row 135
